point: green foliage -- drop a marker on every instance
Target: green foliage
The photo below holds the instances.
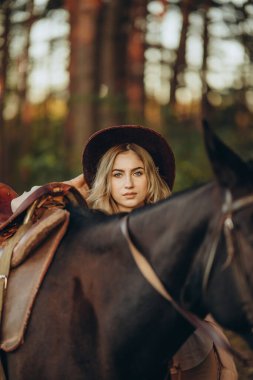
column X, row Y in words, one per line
column 192, row 166
column 185, row 137
column 44, row 161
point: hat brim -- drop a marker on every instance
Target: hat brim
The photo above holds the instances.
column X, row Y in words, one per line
column 147, row 138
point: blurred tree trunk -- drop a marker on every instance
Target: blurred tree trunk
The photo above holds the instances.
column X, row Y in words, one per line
column 179, row 64
column 205, row 106
column 82, row 71
column 123, row 26
column 109, row 33
column 23, row 117
column 120, row 53
column 135, row 60
column 243, row 121
column 6, row 10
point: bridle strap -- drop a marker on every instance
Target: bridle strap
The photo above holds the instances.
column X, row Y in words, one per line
column 149, row 274
column 238, row 204
column 226, row 223
column 211, row 256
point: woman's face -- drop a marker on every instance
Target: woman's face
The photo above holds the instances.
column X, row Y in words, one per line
column 128, row 181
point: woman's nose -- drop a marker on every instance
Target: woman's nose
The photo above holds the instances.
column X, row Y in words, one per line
column 128, row 181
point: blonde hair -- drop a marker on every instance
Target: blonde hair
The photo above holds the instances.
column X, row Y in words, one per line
column 100, row 192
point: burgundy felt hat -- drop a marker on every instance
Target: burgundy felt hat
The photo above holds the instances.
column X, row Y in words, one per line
column 148, row 139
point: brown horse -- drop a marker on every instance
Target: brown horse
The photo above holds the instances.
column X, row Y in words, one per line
column 97, row 318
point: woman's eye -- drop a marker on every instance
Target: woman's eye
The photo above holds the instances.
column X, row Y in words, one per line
column 138, row 173
column 117, row 175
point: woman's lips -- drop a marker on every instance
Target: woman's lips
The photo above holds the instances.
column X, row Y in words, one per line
column 129, row 195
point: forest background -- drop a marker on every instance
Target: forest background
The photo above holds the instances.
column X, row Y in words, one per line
column 71, row 67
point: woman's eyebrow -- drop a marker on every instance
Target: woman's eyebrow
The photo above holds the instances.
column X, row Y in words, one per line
column 138, row 167
column 122, row 170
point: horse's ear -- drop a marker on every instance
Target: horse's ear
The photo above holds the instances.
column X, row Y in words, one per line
column 228, row 167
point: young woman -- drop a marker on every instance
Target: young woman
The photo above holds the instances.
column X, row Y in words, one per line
column 126, row 179
column 125, row 168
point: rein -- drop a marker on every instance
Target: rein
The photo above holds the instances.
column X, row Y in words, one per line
column 150, row 275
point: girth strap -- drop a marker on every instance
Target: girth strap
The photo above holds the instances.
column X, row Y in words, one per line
column 149, row 274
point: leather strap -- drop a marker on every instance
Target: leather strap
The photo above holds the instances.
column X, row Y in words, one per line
column 149, row 274
column 237, row 204
column 143, row 265
column 5, row 261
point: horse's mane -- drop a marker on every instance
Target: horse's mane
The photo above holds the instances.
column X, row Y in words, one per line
column 89, row 217
column 188, row 190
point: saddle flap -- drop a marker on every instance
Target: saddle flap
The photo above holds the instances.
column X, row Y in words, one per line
column 36, row 234
column 24, row 282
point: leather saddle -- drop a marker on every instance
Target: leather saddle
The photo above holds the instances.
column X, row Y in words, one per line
column 43, row 216
column 45, row 194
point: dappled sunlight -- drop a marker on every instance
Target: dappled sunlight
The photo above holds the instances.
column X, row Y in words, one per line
column 225, row 59
column 49, row 53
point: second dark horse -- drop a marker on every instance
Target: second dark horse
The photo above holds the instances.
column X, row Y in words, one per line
column 96, row 317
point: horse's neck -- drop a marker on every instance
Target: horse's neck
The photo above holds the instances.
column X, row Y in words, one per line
column 171, row 232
